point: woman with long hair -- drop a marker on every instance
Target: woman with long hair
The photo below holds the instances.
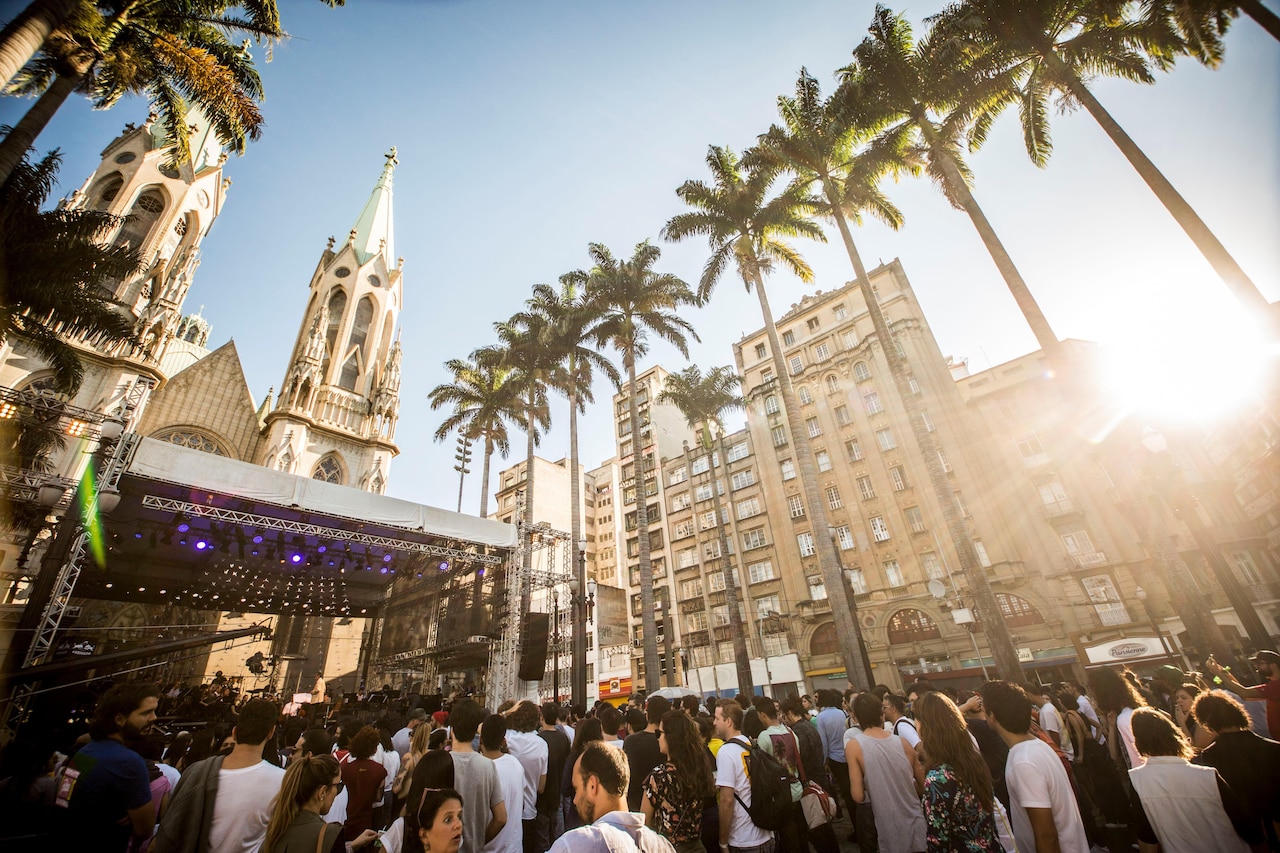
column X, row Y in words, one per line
column 297, row 822
column 433, row 773
column 590, row 730
column 419, row 745
column 959, row 799
column 1183, row 807
column 1117, row 699
column 675, row 793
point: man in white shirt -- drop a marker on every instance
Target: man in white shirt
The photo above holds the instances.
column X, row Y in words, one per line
column 1042, row 805
column 493, row 737
column 738, row 833
column 1071, row 690
column 523, row 742
column 897, row 722
column 1050, row 719
column 600, row 779
column 390, row 759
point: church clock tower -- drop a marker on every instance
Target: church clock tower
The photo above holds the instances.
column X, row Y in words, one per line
column 336, row 416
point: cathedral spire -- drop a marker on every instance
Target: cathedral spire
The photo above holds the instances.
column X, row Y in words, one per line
column 373, row 231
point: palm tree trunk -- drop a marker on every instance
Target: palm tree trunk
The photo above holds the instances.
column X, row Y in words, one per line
column 741, row 656
column 526, row 568
column 1006, row 657
column 578, row 665
column 14, row 146
column 853, row 651
column 648, row 618
column 484, row 476
column 24, row 35
column 1027, row 304
column 1214, row 252
column 1267, row 19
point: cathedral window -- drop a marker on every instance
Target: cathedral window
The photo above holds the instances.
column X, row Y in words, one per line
column 110, row 189
column 142, row 217
column 373, row 281
column 337, row 304
column 193, row 440
column 328, row 470
column 286, row 461
column 350, row 373
column 360, row 327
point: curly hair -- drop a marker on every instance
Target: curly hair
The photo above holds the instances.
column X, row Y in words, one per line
column 1218, row 710
column 688, row 755
column 946, row 741
column 524, row 717
column 1113, row 692
column 365, row 743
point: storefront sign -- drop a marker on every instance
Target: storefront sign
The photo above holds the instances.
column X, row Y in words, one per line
column 1128, row 649
column 615, row 688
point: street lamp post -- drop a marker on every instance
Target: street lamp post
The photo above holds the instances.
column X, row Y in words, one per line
column 577, row 587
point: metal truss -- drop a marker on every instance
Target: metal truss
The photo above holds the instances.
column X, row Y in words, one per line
column 504, row 654
column 266, row 522
column 43, row 404
column 23, row 484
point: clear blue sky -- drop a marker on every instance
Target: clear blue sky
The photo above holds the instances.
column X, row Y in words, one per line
column 527, row 130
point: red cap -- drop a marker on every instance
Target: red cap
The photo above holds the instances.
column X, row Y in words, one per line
column 441, row 717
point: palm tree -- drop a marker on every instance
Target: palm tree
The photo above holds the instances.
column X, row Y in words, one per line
column 1049, row 46
column 636, row 303
column 572, row 319
column 747, row 228
column 1202, row 24
column 173, row 51
column 893, row 80
column 704, row 401
column 484, row 399
column 820, row 146
column 54, row 268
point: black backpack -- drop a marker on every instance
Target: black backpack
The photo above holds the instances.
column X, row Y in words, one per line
column 770, row 788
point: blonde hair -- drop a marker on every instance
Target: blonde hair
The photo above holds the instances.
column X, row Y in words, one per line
column 301, row 781
column 421, row 739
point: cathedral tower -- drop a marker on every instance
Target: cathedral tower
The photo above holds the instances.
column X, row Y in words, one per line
column 336, row 415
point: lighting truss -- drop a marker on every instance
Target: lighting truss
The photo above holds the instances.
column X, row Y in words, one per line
column 266, row 522
column 22, row 484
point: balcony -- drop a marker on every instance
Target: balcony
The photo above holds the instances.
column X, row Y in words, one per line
column 1061, row 509
column 1265, row 591
column 1036, row 460
column 1084, row 561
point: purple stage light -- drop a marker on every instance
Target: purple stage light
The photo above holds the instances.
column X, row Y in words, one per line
column 295, row 558
column 257, row 540
column 201, row 545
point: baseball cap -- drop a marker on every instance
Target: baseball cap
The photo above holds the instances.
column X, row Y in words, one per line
column 1170, row 675
column 418, row 714
column 441, row 717
column 1266, row 656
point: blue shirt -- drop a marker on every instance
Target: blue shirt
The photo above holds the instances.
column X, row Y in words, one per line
column 830, row 723
column 100, row 785
column 615, row 832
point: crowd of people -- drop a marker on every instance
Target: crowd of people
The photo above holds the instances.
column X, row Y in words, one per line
column 1176, row 764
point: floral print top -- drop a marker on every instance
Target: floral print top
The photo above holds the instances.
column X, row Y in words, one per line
column 678, row 819
column 954, row 819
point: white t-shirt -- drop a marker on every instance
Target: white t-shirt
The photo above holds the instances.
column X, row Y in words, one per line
column 1037, row 780
column 337, row 812
column 532, row 752
column 511, row 783
column 1050, row 720
column 1084, row 706
column 243, row 807
column 731, row 772
column 1124, row 725
column 904, row 728
column 391, row 761
column 393, row 839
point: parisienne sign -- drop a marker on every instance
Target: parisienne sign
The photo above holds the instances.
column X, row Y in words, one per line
column 1128, row 649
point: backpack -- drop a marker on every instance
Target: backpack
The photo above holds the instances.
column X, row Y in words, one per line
column 770, row 788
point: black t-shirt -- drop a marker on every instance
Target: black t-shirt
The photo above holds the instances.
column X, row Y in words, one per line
column 1250, row 764
column 642, row 755
column 557, row 754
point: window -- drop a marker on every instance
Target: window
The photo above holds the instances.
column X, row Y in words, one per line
column 683, row 529
column 946, row 466
column 915, row 519
column 805, row 542
column 817, row 589
column 913, row 385
column 738, row 451
column 823, row 460
column 812, row 323
column 688, row 557
column 879, row 530
column 815, row 429
column 766, row 375
column 898, row 479
column 788, row 469
column 1077, row 543
column 910, row 626
column 1029, row 446
column 861, row 372
column 893, row 573
column 701, row 465
column 360, row 325
column 765, row 605
column 1106, row 601
column 742, row 479
column 804, row 396
column 350, row 373
column 857, row 580
column 788, row 337
column 681, row 501
column 844, row 537
column 771, row 406
column 1054, row 495
column 1017, row 611
column 855, row 450
column 760, row 351
column 707, row 520
column 762, row 571
column 841, row 312
column 624, row 427
column 981, row 550
column 702, row 492
column 885, row 439
column 795, row 504
column 795, row 364
column 833, row 497
column 928, row 423
column 932, row 566
column 850, row 339
column 720, row 616
column 711, row 550
column 866, row 489
column 691, row 588
column 328, row 470
column 1244, row 564
column 833, row 383
column 696, row 621
column 821, row 352
column 754, row 539
column 715, row 582
column 842, row 415
column 779, row 434
column 182, row 438
column 678, row 475
column 748, row 508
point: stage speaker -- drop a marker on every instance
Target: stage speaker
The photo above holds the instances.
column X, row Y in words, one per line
column 533, row 646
